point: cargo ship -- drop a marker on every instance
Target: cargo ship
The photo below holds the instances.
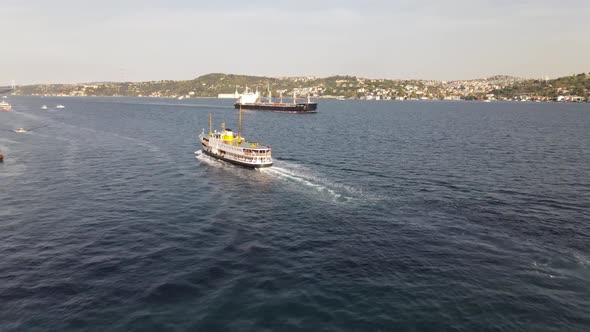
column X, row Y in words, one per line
column 253, row 101
column 227, row 146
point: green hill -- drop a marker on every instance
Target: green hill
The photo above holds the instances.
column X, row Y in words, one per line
column 210, row 85
column 575, row 85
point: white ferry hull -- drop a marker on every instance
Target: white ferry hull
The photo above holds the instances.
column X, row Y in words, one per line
column 235, row 162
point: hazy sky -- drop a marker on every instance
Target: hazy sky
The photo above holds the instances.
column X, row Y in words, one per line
column 111, row 40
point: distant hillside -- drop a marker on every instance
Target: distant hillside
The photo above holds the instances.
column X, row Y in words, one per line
column 575, row 85
column 503, row 79
column 210, row 85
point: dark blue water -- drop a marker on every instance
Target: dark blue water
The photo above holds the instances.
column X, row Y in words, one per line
column 377, row 216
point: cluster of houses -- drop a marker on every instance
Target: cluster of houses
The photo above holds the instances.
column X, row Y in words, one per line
column 380, row 89
column 336, row 87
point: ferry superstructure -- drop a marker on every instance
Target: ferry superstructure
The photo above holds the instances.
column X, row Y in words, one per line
column 233, row 148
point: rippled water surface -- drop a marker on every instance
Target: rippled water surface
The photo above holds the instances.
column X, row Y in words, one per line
column 377, row 216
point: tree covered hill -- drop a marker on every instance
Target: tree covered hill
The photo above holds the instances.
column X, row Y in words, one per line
column 575, row 85
column 210, row 85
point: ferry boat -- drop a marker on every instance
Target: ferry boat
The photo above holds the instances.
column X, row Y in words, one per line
column 227, row 146
column 4, row 106
column 253, row 101
column 60, row 106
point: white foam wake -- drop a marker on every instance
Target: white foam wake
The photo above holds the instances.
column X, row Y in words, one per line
column 306, row 180
column 582, row 260
column 200, row 156
column 300, row 179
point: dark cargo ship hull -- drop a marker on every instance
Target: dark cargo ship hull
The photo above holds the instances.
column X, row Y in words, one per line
column 288, row 108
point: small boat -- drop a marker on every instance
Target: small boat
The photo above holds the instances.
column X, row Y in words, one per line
column 1, row 156
column 20, row 130
column 44, row 107
column 4, row 106
column 60, row 106
column 227, row 146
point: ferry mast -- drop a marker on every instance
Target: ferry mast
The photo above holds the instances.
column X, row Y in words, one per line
column 240, row 125
column 210, row 131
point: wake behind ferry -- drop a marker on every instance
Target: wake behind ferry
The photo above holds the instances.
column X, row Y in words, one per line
column 235, row 149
